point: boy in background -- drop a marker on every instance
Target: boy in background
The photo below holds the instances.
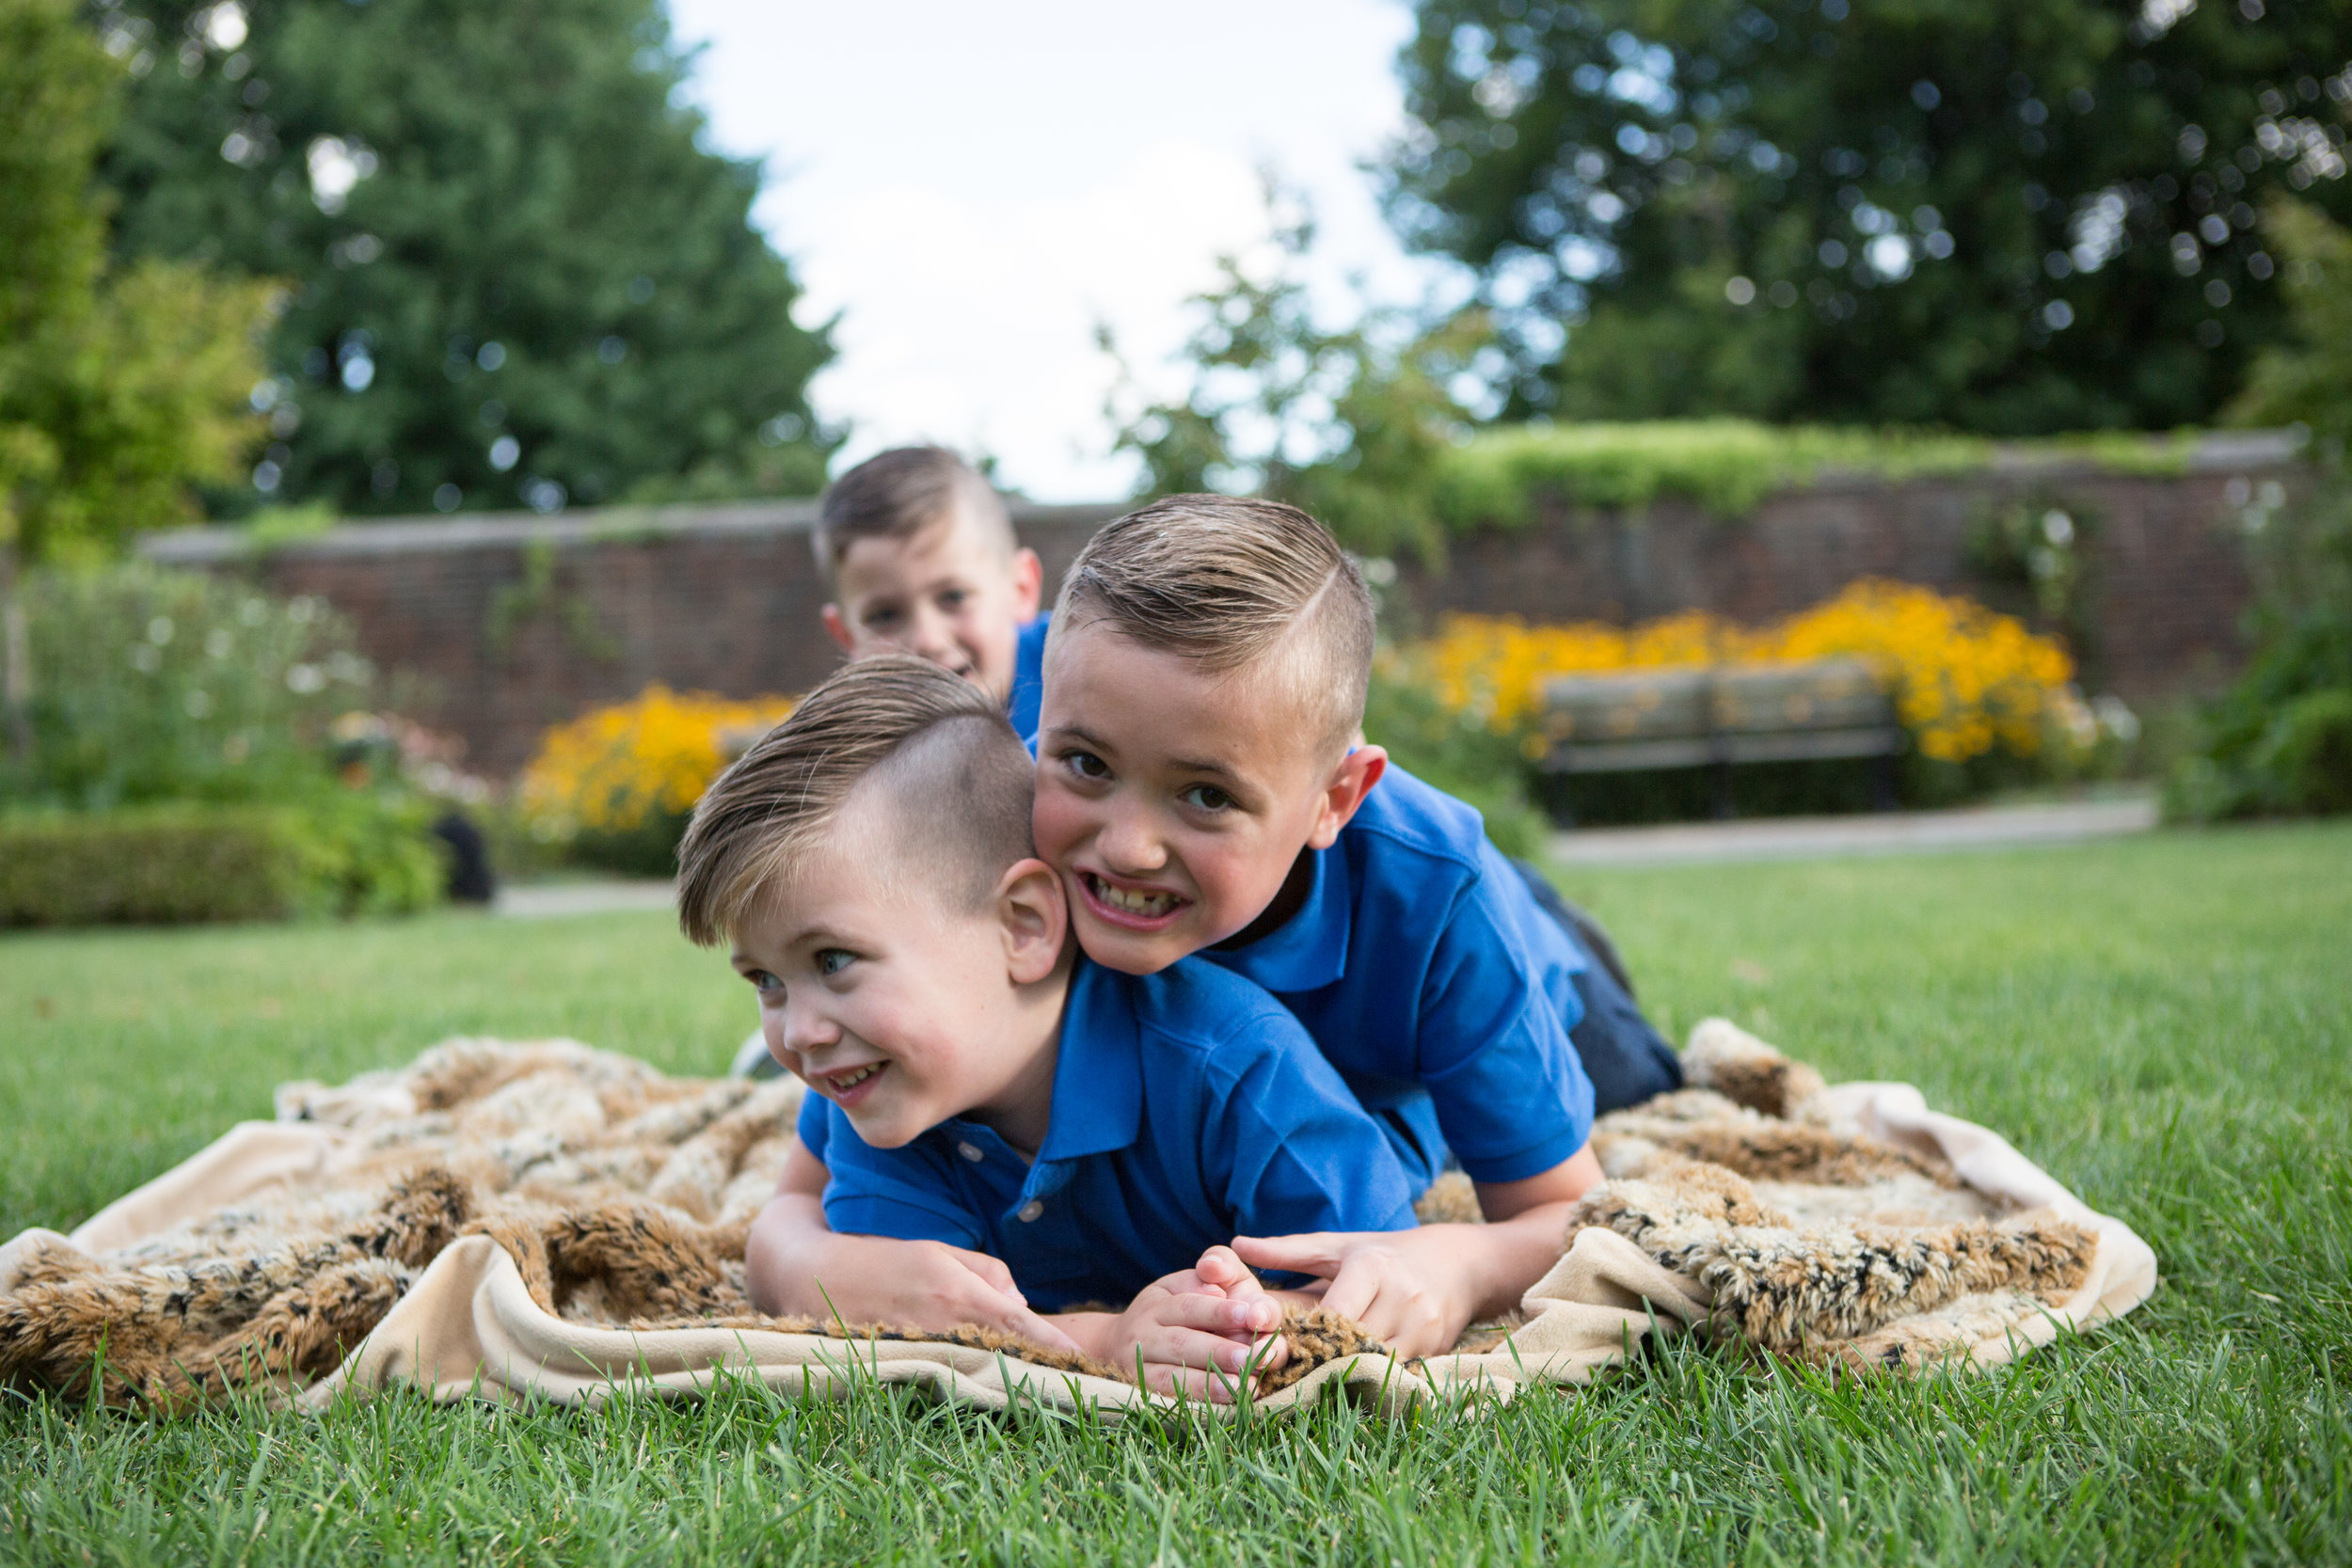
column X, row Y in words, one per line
column 985, row 1091
column 919, row 552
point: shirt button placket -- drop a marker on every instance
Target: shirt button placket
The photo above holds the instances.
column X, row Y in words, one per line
column 970, row 1152
column 1031, row 1210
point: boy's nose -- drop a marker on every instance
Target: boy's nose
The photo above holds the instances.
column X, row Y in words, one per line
column 1130, row 845
column 802, row 1030
column 930, row 638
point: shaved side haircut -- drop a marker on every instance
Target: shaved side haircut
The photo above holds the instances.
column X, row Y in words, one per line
column 933, row 749
column 899, row 493
column 1234, row 584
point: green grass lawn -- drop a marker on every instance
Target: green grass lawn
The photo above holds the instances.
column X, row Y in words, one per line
column 2165, row 1023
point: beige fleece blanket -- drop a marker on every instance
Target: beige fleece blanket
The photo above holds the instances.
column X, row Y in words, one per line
column 548, row 1221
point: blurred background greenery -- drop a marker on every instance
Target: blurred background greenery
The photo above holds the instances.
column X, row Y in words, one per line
column 281, row 261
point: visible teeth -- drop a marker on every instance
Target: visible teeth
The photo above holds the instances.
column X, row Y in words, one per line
column 842, row 1081
column 1133, row 902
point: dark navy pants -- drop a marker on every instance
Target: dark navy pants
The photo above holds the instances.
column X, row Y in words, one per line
column 1624, row 1056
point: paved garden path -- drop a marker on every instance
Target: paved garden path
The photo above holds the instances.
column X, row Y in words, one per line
column 1891, row 833
column 533, row 900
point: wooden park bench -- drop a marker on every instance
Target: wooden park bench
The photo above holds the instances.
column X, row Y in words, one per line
column 1721, row 717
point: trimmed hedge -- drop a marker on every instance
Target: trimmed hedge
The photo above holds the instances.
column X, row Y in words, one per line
column 184, row 863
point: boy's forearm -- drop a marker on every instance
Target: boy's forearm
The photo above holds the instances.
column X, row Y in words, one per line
column 778, row 1256
column 1517, row 1253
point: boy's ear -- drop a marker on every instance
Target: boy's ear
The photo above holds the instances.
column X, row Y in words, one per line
column 1350, row 782
column 1034, row 914
column 1028, row 583
column 839, row 629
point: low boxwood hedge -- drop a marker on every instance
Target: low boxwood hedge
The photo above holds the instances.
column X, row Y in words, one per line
column 186, row 862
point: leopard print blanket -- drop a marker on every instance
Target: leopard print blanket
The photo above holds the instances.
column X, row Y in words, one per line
column 584, row 1207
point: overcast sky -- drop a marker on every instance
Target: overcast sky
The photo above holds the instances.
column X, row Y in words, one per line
column 972, row 187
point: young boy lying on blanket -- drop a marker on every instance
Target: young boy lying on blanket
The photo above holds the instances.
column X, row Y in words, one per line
column 1202, row 790
column 1096, row 1134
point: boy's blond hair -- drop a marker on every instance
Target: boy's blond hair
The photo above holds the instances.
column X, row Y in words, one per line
column 959, row 783
column 1231, row 582
column 899, row 493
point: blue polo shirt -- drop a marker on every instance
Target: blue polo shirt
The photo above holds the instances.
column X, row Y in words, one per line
column 1028, row 677
column 1430, row 978
column 1189, row 1107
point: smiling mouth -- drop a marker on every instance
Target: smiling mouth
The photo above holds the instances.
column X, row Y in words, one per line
column 850, row 1084
column 1134, row 906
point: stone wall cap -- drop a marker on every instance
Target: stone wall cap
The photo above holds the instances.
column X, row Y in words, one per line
column 204, row 545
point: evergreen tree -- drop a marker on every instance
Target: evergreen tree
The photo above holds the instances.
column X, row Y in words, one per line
column 518, row 276
column 2005, row 215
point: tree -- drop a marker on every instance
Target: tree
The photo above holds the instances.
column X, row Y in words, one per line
column 519, row 276
column 2001, row 215
column 119, row 390
column 1346, row 421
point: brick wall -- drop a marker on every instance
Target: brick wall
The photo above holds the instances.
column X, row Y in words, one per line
column 497, row 626
column 2167, row 585
column 502, row 626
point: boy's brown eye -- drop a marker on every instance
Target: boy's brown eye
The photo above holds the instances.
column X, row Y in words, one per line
column 1206, row 798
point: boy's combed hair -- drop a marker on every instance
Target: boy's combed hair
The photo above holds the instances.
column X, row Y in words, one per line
column 957, row 779
column 1230, row 582
column 898, row 494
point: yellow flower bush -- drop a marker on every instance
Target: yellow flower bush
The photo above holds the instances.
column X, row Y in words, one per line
column 1965, row 681
column 617, row 769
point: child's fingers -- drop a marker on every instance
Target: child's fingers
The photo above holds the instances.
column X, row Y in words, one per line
column 991, row 1270
column 1246, row 1316
column 1163, row 1344
column 1316, row 1253
column 1355, row 1285
column 1220, row 1269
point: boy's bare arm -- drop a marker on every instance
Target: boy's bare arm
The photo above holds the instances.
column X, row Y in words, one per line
column 795, row 1264
column 1416, row 1291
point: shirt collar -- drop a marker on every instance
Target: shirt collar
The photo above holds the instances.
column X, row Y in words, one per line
column 1098, row 1071
column 1309, row 950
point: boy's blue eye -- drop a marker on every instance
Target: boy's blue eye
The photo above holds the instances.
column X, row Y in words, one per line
column 1206, row 798
column 763, row 982
column 953, row 599
column 833, row 960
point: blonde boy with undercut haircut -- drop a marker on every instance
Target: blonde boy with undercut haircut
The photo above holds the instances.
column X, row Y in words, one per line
column 1204, row 794
column 993, row 1105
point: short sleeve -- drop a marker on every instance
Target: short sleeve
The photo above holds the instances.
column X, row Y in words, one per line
column 1496, row 1008
column 1292, row 1148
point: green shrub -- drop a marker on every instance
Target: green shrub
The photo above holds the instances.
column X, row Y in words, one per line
column 155, row 685
column 182, row 862
column 1454, row 753
column 2307, row 756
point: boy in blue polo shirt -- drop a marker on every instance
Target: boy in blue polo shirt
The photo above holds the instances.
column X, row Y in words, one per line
column 919, row 552
column 1202, row 788
column 986, row 1094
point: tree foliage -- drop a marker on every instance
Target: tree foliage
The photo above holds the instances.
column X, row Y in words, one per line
column 521, row 276
column 1349, row 422
column 118, row 388
column 2307, row 378
column 2000, row 215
